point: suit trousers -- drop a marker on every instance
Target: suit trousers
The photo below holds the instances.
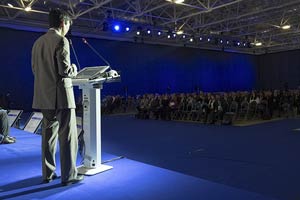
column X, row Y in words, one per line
column 4, row 126
column 59, row 124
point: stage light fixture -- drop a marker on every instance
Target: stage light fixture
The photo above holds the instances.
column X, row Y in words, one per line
column 169, row 36
column 238, row 43
column 191, row 39
column 105, row 26
column 208, row 39
column 258, row 44
column 221, row 41
column 200, row 38
column 227, row 42
column 127, row 29
column 117, row 27
column 10, row 5
column 138, row 32
column 248, row 44
column 183, row 36
column 174, row 35
column 159, row 33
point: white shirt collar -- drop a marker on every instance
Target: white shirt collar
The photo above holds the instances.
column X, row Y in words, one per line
column 56, row 31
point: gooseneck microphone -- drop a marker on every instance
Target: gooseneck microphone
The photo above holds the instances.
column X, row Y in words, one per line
column 96, row 52
column 74, row 52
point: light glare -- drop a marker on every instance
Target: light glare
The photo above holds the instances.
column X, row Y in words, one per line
column 27, row 9
column 179, row 32
column 117, row 27
column 176, row 1
column 285, row 27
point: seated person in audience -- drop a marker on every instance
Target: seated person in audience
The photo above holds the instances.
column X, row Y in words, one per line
column 143, row 107
column 4, row 129
column 205, row 109
column 155, row 106
column 212, row 109
column 165, row 109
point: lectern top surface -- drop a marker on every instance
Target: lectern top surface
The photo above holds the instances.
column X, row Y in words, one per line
column 91, row 72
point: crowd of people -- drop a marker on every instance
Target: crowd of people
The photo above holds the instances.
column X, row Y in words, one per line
column 220, row 107
column 118, row 104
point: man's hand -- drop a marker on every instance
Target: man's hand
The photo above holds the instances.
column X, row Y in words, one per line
column 74, row 70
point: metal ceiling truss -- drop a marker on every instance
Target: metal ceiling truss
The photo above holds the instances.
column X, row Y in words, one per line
column 207, row 24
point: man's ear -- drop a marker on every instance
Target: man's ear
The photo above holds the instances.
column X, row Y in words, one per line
column 62, row 24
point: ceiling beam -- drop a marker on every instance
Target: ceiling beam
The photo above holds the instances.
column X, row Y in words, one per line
column 96, row 6
column 249, row 14
column 207, row 10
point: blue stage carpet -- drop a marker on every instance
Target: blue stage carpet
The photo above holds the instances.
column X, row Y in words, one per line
column 21, row 174
column 262, row 158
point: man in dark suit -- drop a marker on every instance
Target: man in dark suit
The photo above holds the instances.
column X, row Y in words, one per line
column 54, row 96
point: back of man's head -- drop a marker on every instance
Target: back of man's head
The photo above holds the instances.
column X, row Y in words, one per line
column 56, row 17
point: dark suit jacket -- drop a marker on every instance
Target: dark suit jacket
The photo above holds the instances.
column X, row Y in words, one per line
column 52, row 71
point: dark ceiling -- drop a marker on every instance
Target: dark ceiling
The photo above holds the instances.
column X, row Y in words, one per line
column 246, row 26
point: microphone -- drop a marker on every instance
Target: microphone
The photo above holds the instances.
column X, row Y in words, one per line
column 96, row 52
column 71, row 44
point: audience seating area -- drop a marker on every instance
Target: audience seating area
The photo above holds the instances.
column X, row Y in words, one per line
column 211, row 108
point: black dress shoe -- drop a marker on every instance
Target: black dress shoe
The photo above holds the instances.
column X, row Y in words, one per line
column 75, row 180
column 7, row 140
column 48, row 180
column 12, row 138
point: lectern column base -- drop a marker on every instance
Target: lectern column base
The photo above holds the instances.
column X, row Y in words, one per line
column 92, row 171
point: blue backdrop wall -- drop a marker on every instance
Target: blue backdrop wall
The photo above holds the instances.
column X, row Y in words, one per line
column 144, row 68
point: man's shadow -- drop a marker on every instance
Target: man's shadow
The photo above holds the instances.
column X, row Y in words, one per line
column 31, row 186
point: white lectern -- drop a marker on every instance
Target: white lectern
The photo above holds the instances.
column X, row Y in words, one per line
column 90, row 80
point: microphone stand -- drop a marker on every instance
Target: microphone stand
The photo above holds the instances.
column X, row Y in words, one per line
column 96, row 52
column 74, row 52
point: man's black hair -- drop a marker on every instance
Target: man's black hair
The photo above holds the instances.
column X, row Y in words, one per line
column 57, row 16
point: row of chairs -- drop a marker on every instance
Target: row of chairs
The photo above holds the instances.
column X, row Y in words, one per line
column 246, row 111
